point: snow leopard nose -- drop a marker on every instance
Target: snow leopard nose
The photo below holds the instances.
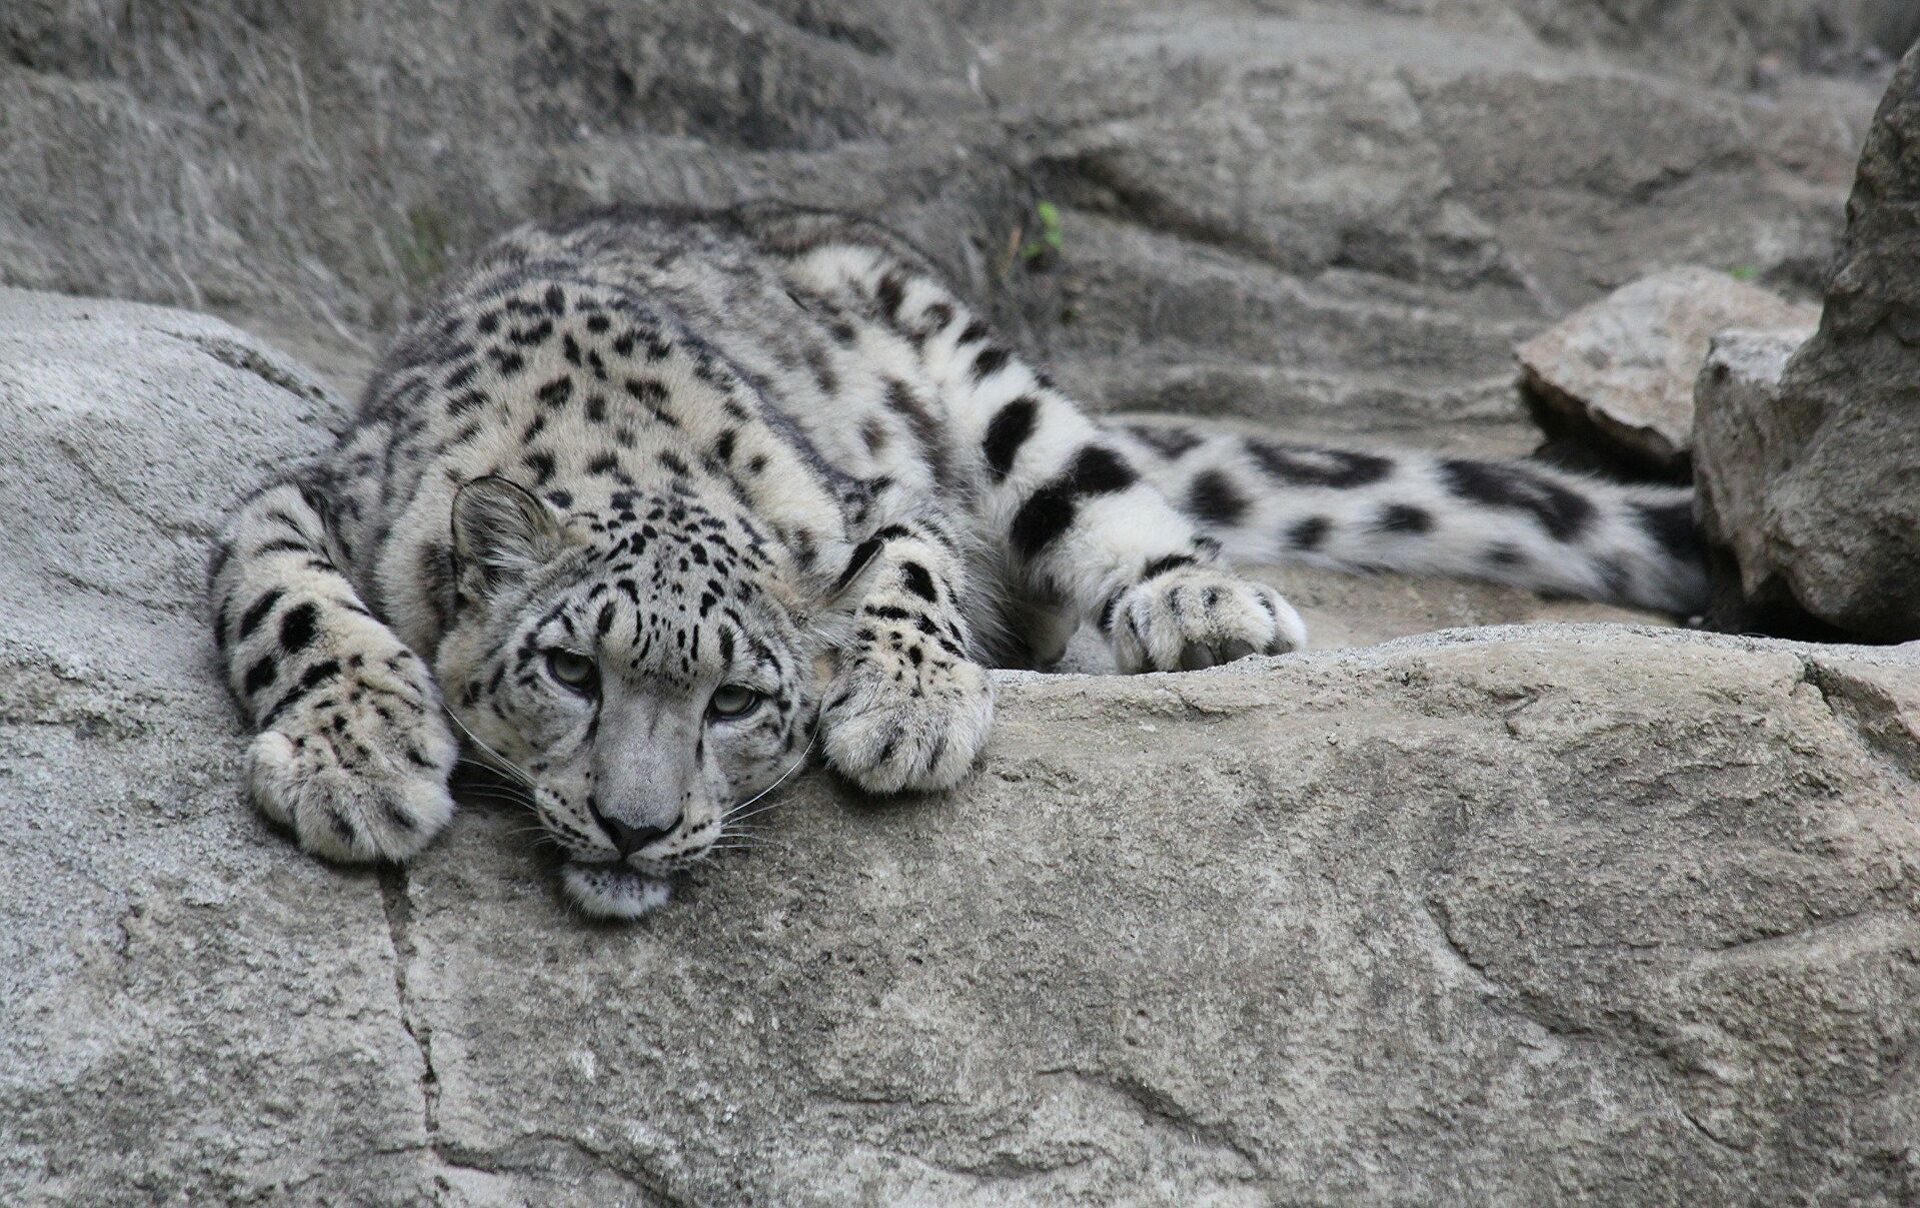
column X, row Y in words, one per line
column 630, row 839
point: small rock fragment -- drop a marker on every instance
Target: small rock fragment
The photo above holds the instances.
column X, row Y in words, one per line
column 1736, row 430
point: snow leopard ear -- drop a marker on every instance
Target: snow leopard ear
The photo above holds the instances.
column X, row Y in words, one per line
column 502, row 532
column 849, row 586
column 826, row 601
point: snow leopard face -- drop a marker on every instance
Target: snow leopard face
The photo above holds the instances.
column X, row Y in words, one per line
column 635, row 666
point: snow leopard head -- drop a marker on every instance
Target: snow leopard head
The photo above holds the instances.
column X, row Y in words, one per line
column 640, row 667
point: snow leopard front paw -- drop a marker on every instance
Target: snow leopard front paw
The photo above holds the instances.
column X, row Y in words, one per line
column 356, row 783
column 906, row 716
column 1196, row 617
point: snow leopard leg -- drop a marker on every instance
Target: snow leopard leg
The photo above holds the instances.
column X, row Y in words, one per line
column 907, row 707
column 351, row 749
column 1082, row 525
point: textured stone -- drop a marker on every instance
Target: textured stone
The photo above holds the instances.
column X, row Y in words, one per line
column 1431, row 924
column 193, row 1012
column 1305, row 215
column 1507, row 917
column 1737, row 419
column 1290, row 212
column 1539, row 915
column 1815, row 485
column 176, row 153
column 1622, row 370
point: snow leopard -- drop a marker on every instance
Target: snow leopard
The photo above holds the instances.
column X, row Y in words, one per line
column 645, row 509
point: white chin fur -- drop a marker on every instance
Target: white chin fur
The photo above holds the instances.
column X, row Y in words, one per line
column 608, row 891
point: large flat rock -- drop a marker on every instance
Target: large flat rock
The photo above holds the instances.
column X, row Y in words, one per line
column 1508, row 916
column 1534, row 915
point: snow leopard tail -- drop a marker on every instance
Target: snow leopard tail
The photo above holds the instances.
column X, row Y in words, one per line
column 1520, row 521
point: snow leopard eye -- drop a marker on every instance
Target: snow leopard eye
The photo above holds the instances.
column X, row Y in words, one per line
column 731, row 700
column 576, row 671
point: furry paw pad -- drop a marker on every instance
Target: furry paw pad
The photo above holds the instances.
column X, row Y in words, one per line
column 894, row 722
column 1199, row 617
column 354, row 793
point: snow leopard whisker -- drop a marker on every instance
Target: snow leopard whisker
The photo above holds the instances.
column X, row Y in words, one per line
column 491, row 778
column 535, row 836
column 758, row 845
column 732, row 831
column 500, row 798
column 765, row 809
column 469, row 794
column 736, row 814
column 495, row 790
column 501, row 762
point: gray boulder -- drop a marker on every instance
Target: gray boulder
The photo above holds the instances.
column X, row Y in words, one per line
column 1519, row 917
column 1738, row 420
column 1503, row 916
column 1814, row 483
column 189, row 1014
column 1621, row 371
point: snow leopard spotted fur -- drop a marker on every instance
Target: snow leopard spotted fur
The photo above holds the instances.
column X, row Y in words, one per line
column 646, row 506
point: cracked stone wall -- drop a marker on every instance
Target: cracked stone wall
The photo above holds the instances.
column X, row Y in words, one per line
column 182, row 1016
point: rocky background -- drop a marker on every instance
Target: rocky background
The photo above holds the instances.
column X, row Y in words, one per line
column 1607, row 913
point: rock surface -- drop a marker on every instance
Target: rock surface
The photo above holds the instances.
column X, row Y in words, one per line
column 1506, row 916
column 189, row 1016
column 1426, row 923
column 1621, row 371
column 1815, row 483
column 1737, row 422
column 1509, row 916
column 1301, row 213
column 1292, row 212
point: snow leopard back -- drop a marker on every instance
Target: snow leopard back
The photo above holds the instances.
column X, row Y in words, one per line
column 849, row 380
